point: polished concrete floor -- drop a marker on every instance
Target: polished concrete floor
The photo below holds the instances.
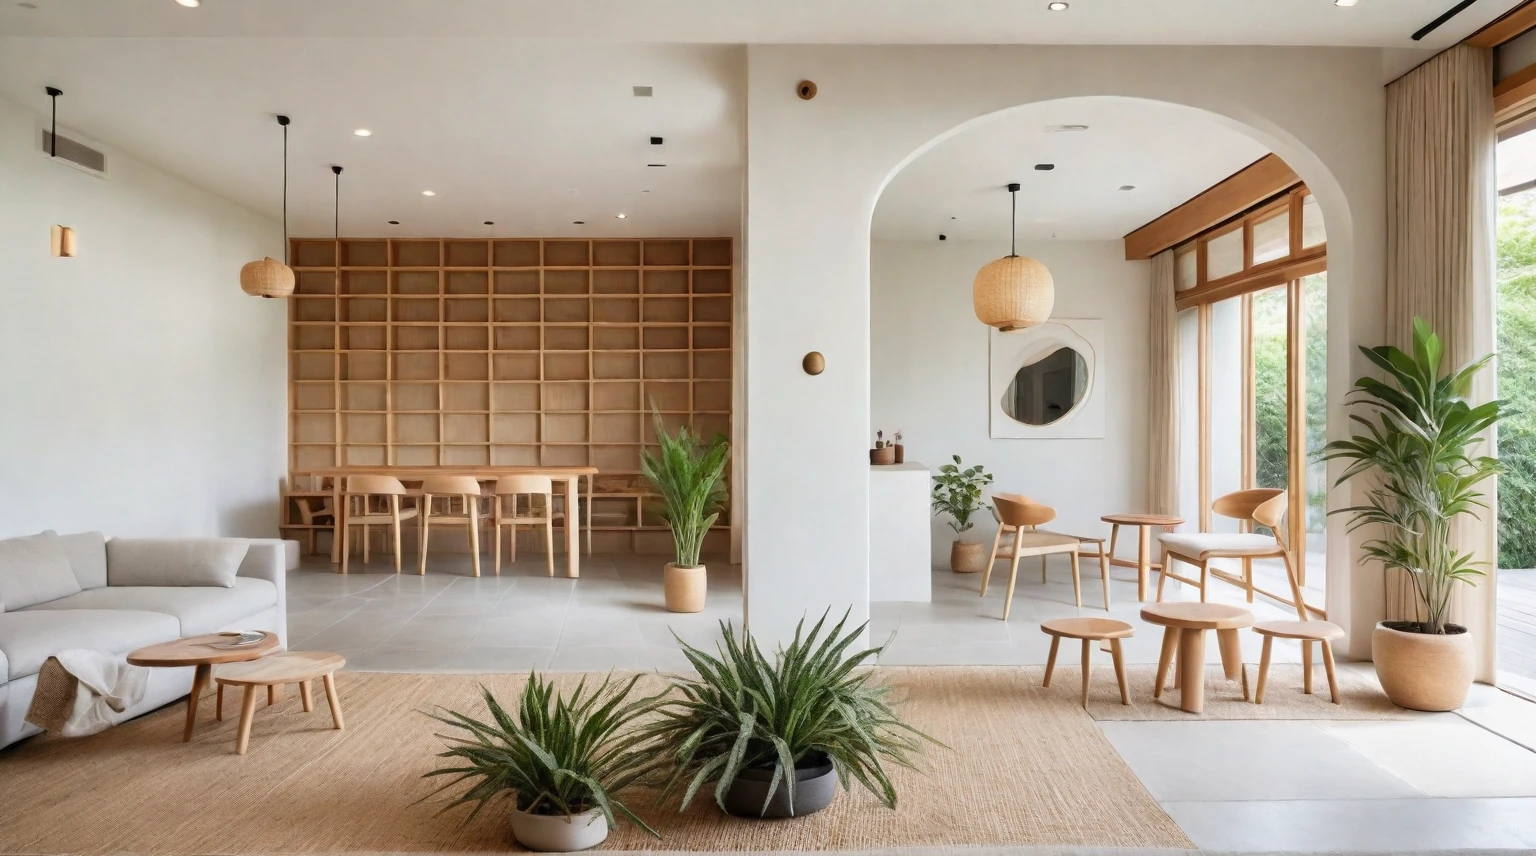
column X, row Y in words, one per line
column 1436, row 781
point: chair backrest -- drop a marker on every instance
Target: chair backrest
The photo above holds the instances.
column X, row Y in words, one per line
column 451, row 485
column 1271, row 513
column 519, row 485
column 1017, row 510
column 1240, row 504
column 375, row 485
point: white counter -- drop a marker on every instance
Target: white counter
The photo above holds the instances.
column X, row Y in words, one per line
column 900, row 567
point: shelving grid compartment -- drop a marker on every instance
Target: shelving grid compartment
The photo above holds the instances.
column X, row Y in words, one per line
column 511, row 351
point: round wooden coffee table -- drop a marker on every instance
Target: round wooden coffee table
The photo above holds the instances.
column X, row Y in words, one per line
column 1143, row 563
column 203, row 653
column 289, row 667
column 1184, row 626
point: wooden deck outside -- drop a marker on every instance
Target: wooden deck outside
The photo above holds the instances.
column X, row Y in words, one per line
column 1517, row 623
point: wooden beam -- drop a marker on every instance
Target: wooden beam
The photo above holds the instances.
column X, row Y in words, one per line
column 1235, row 194
column 1513, row 23
column 1515, row 94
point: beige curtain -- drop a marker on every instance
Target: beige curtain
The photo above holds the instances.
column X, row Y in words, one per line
column 1163, row 390
column 1440, row 261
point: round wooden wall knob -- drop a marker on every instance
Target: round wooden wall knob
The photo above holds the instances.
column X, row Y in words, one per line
column 814, row 363
column 806, row 89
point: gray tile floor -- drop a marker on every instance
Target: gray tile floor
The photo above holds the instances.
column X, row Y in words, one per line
column 1437, row 781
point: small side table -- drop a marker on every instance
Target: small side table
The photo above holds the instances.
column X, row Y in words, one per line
column 203, row 653
column 289, row 667
column 1143, row 563
column 1184, row 626
column 1089, row 630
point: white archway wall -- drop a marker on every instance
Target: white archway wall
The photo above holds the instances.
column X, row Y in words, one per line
column 815, row 171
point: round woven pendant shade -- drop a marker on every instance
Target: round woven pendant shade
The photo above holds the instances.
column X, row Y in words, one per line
column 267, row 278
column 1013, row 292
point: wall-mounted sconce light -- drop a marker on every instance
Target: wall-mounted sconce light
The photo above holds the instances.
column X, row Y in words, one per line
column 63, row 242
column 814, row 363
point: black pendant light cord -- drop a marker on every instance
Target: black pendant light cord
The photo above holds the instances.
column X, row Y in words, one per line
column 283, row 120
column 336, row 224
column 1013, row 246
column 53, row 135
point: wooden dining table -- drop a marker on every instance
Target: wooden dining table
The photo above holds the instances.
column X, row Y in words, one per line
column 570, row 477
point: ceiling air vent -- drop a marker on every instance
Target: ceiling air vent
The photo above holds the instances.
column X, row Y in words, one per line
column 77, row 154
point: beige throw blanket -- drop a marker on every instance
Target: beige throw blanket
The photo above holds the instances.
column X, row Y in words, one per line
column 82, row 692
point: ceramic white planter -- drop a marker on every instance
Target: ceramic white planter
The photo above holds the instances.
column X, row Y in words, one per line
column 1423, row 671
column 559, row 833
column 685, row 588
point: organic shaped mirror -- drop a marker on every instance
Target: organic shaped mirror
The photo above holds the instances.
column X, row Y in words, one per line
column 1047, row 389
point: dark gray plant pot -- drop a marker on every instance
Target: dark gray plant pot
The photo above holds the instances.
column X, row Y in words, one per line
column 814, row 789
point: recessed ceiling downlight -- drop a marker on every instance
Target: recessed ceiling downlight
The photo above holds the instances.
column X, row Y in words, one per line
column 429, row 193
column 1058, row 6
column 362, row 132
column 394, row 222
column 190, row 4
column 578, row 222
column 1345, row 2
column 620, row 216
column 644, row 91
column 1064, row 129
column 1127, row 187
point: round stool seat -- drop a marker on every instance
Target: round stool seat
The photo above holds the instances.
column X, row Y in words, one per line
column 1087, row 628
column 1196, row 616
column 1304, row 630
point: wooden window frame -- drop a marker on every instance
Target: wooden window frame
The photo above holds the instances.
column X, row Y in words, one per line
column 1298, row 263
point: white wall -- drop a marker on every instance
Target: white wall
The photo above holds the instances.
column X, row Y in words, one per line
column 143, row 392
column 816, row 171
column 930, row 368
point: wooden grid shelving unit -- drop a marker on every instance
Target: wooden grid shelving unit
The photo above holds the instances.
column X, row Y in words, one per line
column 538, row 352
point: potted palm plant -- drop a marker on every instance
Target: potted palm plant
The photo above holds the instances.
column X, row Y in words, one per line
column 1419, row 449
column 776, row 735
column 561, row 759
column 688, row 475
column 957, row 492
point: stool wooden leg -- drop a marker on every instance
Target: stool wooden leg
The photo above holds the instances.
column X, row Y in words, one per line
column 247, row 713
column 1306, row 666
column 307, row 696
column 218, row 704
column 274, row 694
column 1258, row 690
column 1077, row 582
column 1333, row 680
column 1192, row 671
column 1114, row 651
column 1231, row 653
column 1143, row 560
column 1050, row 661
column 1087, row 665
column 1170, row 642
column 335, row 700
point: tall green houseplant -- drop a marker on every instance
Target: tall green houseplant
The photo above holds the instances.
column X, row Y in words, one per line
column 689, row 477
column 1419, row 448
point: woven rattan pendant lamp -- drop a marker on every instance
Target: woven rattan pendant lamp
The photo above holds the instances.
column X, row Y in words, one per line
column 270, row 277
column 1013, row 292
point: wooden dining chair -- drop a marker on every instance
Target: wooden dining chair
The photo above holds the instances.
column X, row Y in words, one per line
column 1305, row 630
column 1200, row 548
column 460, row 498
column 509, row 510
column 1033, row 517
column 360, row 509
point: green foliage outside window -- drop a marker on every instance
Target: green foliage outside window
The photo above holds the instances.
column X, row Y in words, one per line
column 1517, row 378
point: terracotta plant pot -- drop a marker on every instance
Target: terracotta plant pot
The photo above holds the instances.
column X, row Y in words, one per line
column 814, row 789
column 966, row 557
column 1423, row 671
column 559, row 833
column 685, row 588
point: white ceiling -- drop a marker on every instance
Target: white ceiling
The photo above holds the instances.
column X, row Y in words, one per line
column 1273, row 22
column 531, row 135
column 1167, row 152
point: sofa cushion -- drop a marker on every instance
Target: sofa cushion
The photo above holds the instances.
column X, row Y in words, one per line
column 34, row 569
column 174, row 561
column 198, row 609
column 87, row 552
column 31, row 636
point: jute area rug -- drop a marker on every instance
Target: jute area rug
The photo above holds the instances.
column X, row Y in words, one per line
column 1026, row 766
column 1360, row 696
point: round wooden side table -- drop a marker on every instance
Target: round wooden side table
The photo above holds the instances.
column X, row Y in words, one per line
column 202, row 653
column 1089, row 630
column 1184, row 626
column 289, row 667
column 1143, row 563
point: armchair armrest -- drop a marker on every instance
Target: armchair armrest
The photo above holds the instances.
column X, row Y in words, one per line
column 266, row 559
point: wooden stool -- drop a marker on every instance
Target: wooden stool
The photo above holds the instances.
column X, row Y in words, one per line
column 1184, row 629
column 272, row 671
column 1143, row 563
column 1321, row 632
column 1089, row 630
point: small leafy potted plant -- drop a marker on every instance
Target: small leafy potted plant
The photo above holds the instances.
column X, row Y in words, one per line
column 562, row 760
column 688, row 475
column 957, row 492
column 776, row 735
column 1419, row 449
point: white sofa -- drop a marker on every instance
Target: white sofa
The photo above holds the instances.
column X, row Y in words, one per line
column 85, row 591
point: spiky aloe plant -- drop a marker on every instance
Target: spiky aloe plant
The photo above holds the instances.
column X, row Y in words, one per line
column 560, row 755
column 689, row 476
column 1419, row 448
column 812, row 701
